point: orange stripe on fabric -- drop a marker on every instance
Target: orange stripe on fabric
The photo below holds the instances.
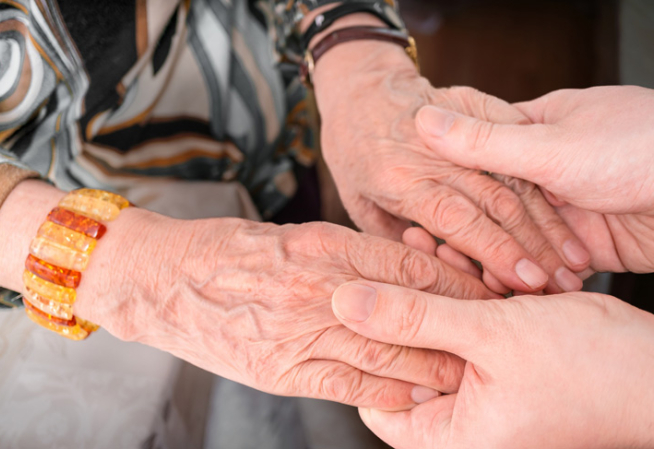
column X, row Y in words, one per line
column 45, row 56
column 16, row 5
column 141, row 27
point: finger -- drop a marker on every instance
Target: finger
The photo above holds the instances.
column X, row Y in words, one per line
column 593, row 230
column 493, row 283
column 482, row 145
column 382, row 260
column 437, row 370
column 340, row 382
column 506, row 208
column 569, row 248
column 373, row 220
column 458, row 260
column 420, row 240
column 406, row 317
column 426, row 425
column 540, row 110
column 452, row 216
column 474, row 103
column 552, row 199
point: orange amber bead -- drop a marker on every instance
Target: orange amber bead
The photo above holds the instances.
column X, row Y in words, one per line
column 77, row 222
column 53, row 273
column 56, row 320
column 75, row 332
column 48, row 306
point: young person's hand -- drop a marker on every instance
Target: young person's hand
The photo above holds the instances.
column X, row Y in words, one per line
column 568, row 371
column 589, row 150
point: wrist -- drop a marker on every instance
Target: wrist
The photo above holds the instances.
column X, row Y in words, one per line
column 353, row 67
column 21, row 215
column 128, row 273
column 357, row 55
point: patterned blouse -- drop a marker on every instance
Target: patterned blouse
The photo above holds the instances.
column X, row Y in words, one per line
column 103, row 93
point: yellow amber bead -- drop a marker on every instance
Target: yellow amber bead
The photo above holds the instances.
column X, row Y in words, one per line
column 49, row 306
column 103, row 195
column 75, row 332
column 67, row 237
column 58, row 254
column 90, row 207
column 48, row 289
column 87, row 325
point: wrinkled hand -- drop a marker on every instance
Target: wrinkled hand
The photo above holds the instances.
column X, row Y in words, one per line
column 252, row 302
column 591, row 149
column 368, row 94
column 572, row 371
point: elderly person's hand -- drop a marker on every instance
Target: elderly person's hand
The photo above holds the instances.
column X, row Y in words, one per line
column 368, row 94
column 250, row 301
column 572, row 371
column 591, row 149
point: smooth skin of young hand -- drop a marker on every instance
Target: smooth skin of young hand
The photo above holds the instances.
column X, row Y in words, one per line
column 572, row 370
column 368, row 94
column 249, row 301
column 590, row 149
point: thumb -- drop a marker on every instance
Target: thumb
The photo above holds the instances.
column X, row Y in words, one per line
column 522, row 151
column 406, row 317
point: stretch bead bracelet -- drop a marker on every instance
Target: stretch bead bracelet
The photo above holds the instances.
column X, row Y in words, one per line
column 60, row 252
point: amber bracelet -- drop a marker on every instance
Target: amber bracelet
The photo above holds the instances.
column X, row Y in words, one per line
column 58, row 255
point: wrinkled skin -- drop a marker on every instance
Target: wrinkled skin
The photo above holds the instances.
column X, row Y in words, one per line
column 387, row 176
column 571, row 371
column 590, row 151
column 251, row 302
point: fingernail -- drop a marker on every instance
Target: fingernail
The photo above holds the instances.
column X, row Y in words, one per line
column 575, row 253
column 421, row 394
column 435, row 121
column 354, row 302
column 530, row 273
column 567, row 280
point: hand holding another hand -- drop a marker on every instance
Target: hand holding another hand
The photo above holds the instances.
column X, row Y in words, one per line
column 590, row 150
column 569, row 371
column 368, row 94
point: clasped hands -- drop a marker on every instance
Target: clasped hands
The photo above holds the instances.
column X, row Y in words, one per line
column 253, row 302
column 568, row 370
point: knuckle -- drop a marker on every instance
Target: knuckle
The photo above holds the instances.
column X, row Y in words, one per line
column 412, row 319
column 480, row 134
column 498, row 249
column 340, row 384
column 542, row 250
column 414, row 268
column 447, row 372
column 453, row 214
column 506, row 209
column 375, row 357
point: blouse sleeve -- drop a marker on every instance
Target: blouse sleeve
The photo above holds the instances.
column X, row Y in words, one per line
column 37, row 88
